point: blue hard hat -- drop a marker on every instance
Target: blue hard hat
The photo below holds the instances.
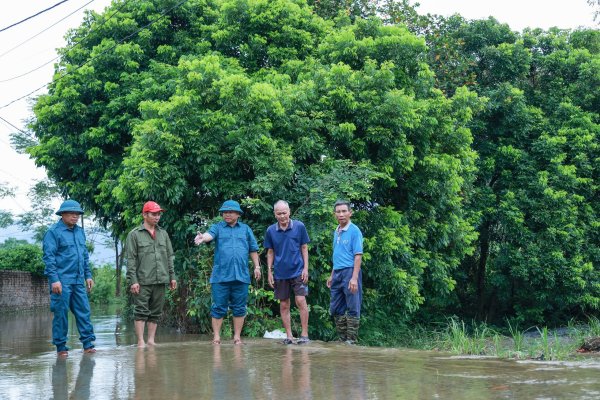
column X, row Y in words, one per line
column 69, row 205
column 231, row 205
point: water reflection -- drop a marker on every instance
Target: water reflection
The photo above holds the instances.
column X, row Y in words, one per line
column 348, row 379
column 188, row 367
column 60, row 379
column 229, row 373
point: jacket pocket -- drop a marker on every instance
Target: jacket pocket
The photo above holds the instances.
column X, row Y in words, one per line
column 162, row 245
column 225, row 241
column 66, row 243
column 241, row 243
column 145, row 247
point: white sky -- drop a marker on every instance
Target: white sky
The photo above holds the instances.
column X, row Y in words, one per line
column 20, row 171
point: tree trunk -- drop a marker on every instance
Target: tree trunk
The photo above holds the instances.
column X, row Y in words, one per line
column 492, row 308
column 119, row 265
column 484, row 241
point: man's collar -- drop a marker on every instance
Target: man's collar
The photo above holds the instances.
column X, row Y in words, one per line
column 290, row 225
column 143, row 228
column 64, row 226
column 344, row 228
column 226, row 224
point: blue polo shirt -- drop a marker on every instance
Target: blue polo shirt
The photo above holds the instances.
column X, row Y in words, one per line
column 347, row 243
column 286, row 244
column 232, row 247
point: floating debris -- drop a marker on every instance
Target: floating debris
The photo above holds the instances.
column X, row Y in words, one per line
column 590, row 345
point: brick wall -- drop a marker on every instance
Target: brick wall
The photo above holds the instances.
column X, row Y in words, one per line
column 22, row 291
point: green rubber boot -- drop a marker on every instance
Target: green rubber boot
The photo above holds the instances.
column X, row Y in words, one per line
column 341, row 326
column 353, row 324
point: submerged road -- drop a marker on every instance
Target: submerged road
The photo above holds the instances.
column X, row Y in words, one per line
column 188, row 367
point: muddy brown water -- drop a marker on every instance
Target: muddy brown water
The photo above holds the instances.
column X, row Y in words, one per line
column 188, row 367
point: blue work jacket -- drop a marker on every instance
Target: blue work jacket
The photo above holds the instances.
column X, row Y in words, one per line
column 232, row 248
column 65, row 255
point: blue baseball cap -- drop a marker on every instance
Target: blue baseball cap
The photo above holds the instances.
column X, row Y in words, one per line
column 69, row 205
column 231, row 205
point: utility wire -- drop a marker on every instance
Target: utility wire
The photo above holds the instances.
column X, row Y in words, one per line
column 1, row 170
column 41, row 12
column 101, row 54
column 75, row 45
column 19, row 45
column 20, row 130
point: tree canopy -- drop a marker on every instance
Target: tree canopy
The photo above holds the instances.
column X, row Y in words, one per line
column 468, row 150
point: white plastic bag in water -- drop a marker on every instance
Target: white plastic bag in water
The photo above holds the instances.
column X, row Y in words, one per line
column 276, row 334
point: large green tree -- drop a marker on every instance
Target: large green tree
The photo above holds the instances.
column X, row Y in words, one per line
column 534, row 202
column 266, row 100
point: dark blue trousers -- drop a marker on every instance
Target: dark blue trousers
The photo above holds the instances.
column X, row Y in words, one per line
column 342, row 299
column 74, row 298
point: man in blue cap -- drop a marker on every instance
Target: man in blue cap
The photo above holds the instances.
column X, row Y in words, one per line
column 230, row 278
column 68, row 269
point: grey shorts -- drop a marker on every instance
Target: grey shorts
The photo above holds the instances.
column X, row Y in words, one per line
column 283, row 288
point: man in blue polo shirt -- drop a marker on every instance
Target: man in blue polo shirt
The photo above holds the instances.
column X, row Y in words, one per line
column 230, row 278
column 287, row 253
column 345, row 281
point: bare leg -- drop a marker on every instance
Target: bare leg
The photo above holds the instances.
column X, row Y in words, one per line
column 284, row 308
column 216, row 325
column 301, row 303
column 238, row 324
column 151, row 332
column 139, row 332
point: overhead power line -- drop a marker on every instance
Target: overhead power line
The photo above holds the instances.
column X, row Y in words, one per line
column 1, row 170
column 20, row 130
column 75, row 45
column 41, row 12
column 99, row 55
column 19, row 45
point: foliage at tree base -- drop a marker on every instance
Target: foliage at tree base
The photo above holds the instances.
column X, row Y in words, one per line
column 105, row 284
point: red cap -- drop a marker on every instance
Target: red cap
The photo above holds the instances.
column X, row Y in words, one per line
column 152, row 207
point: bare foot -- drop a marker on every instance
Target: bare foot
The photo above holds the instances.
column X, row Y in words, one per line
column 151, row 343
column 141, row 344
column 89, row 350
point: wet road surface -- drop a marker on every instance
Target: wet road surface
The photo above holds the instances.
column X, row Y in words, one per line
column 188, row 367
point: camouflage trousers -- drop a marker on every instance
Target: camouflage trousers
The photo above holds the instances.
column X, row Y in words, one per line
column 347, row 327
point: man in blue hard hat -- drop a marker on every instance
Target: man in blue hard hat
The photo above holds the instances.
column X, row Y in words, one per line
column 68, row 270
column 230, row 278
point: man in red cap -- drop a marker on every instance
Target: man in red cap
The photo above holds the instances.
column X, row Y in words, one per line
column 149, row 268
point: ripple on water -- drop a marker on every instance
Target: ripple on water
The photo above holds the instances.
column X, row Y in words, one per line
column 188, row 367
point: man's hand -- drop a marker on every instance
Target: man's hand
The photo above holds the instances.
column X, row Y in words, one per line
column 329, row 281
column 199, row 238
column 135, row 288
column 305, row 275
column 353, row 285
column 57, row 288
column 90, row 284
column 172, row 286
column 271, row 280
column 257, row 273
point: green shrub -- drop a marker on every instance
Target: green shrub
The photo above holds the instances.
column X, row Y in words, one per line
column 105, row 284
column 24, row 257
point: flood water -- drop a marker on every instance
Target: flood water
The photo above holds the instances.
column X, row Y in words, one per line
column 188, row 367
